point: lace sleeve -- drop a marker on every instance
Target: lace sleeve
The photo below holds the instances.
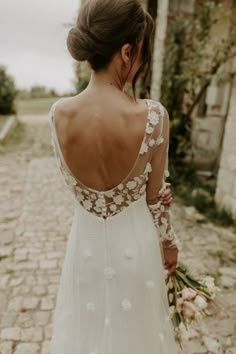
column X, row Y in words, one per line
column 156, row 184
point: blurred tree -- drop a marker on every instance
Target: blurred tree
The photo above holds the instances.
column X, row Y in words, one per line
column 82, row 75
column 23, row 94
column 38, row 91
column 82, row 72
column 7, row 92
column 53, row 93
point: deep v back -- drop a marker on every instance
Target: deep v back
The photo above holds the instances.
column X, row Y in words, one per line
column 109, row 202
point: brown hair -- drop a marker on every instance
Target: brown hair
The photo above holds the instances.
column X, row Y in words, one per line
column 104, row 26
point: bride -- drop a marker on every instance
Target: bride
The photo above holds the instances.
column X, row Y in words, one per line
column 112, row 151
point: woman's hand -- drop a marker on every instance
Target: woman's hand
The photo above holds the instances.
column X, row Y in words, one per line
column 166, row 196
column 170, row 257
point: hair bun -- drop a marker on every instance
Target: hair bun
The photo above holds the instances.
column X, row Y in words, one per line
column 77, row 44
column 102, row 27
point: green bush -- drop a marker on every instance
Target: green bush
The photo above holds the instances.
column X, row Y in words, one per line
column 7, row 92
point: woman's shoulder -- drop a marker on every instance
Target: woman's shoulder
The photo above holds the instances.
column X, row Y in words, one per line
column 158, row 107
column 63, row 103
column 62, row 112
column 65, row 108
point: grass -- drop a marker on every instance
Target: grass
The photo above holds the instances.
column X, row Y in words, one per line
column 24, row 139
column 34, row 105
column 2, row 121
column 193, row 190
column 16, row 137
column 21, row 137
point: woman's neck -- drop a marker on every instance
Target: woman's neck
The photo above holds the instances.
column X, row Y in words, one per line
column 106, row 79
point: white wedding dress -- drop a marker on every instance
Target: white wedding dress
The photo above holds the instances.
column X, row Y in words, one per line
column 112, row 296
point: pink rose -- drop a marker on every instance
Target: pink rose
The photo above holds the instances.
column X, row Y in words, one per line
column 188, row 294
column 189, row 309
column 179, row 304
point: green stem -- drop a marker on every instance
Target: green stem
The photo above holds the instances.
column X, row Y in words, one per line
column 179, row 274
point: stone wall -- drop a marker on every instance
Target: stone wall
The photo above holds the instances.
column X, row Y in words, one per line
column 209, row 122
column 226, row 179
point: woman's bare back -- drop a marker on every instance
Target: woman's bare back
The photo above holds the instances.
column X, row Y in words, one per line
column 100, row 136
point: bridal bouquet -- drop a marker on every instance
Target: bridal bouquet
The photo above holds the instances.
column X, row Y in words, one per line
column 188, row 297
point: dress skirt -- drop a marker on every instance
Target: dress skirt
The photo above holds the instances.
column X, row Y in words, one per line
column 112, row 297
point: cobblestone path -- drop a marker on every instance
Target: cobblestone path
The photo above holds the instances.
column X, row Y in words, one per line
column 35, row 217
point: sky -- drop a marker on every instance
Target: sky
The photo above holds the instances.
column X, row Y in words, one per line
column 33, row 42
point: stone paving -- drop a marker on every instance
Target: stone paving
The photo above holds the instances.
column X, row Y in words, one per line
column 35, row 217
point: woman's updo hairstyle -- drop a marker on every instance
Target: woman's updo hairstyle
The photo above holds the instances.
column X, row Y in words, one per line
column 104, row 26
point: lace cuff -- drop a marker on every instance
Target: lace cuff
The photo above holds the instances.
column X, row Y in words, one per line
column 161, row 216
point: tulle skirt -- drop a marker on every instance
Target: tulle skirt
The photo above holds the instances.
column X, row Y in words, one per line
column 112, row 295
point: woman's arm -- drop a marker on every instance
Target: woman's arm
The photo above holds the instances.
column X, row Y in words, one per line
column 156, row 185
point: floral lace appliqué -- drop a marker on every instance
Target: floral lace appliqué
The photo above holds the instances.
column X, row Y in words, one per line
column 161, row 217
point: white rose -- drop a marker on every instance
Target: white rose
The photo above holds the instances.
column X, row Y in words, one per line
column 200, row 302
column 210, row 283
column 188, row 293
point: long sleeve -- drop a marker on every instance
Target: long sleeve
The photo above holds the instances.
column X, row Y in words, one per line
column 156, row 184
